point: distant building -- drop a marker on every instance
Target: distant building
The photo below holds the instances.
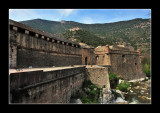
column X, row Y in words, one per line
column 75, row 29
column 62, row 21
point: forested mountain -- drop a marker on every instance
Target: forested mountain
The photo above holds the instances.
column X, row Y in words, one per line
column 136, row 32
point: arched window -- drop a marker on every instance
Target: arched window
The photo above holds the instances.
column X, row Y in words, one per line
column 123, row 59
column 97, row 57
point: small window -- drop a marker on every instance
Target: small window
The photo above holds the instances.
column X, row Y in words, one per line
column 136, row 65
column 123, row 58
column 12, row 49
column 97, row 57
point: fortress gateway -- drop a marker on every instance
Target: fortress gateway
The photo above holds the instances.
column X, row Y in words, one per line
column 52, row 69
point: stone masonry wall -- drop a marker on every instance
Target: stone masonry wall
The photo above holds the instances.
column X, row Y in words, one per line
column 101, row 57
column 89, row 54
column 12, row 55
column 123, row 61
column 37, row 52
column 46, row 86
column 36, row 59
column 98, row 76
column 126, row 65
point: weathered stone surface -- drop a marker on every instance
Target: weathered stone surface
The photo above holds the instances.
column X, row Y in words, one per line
column 27, row 50
column 107, row 96
column 121, row 93
column 119, row 100
column 88, row 56
column 99, row 76
column 123, row 61
column 46, row 86
column 76, row 101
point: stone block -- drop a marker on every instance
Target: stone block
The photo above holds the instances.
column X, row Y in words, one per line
column 15, row 28
column 42, row 37
column 26, row 32
column 48, row 39
column 37, row 35
column 53, row 40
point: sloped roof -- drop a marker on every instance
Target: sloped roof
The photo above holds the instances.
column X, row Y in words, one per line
column 46, row 34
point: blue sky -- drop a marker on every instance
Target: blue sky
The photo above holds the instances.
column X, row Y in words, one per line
column 87, row 16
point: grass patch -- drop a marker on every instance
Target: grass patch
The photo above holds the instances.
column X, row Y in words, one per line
column 123, row 86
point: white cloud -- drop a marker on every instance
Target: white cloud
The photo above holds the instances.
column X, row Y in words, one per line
column 87, row 20
column 65, row 12
column 48, row 14
column 22, row 14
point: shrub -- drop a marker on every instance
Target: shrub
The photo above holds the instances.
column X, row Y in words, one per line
column 146, row 62
column 93, row 92
column 113, row 76
column 147, row 70
column 123, row 86
column 93, row 86
column 86, row 83
column 85, row 100
column 92, row 95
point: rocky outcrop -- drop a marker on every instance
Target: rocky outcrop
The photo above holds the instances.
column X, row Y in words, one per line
column 119, row 100
column 107, row 96
column 76, row 101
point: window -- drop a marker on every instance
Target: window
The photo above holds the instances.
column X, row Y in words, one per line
column 97, row 57
column 123, row 59
column 12, row 49
column 136, row 65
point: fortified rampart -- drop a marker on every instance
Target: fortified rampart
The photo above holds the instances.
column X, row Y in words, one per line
column 98, row 75
column 122, row 60
column 31, row 47
column 51, row 85
column 88, row 56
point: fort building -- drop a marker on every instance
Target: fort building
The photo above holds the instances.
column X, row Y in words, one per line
column 123, row 61
column 53, row 69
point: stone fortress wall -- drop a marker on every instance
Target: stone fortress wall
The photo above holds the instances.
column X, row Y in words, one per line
column 31, row 48
column 28, row 48
column 51, row 86
column 123, row 61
